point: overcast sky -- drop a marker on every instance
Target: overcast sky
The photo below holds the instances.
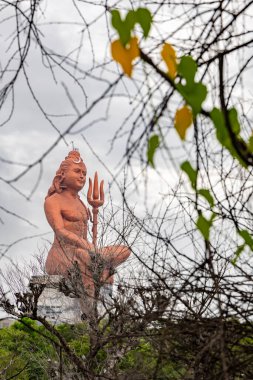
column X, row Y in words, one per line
column 28, row 134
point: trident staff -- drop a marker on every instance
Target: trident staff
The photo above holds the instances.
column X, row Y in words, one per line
column 95, row 199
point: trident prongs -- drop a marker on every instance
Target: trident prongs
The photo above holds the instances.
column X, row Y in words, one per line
column 95, row 199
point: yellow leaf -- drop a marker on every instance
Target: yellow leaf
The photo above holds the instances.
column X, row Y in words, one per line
column 125, row 55
column 169, row 56
column 183, row 120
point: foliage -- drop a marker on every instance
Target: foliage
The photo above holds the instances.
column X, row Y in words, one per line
column 141, row 16
column 153, row 144
column 24, row 350
column 183, row 120
column 125, row 55
column 168, row 352
column 194, row 94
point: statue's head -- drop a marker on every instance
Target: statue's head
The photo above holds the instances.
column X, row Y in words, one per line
column 70, row 165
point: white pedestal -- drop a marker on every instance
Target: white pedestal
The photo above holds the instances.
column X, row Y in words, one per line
column 53, row 304
column 59, row 308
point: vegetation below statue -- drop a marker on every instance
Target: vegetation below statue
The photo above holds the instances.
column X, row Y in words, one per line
column 171, row 350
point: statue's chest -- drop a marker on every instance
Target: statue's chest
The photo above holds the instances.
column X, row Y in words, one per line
column 75, row 213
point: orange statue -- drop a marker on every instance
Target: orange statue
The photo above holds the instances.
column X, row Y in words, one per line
column 68, row 217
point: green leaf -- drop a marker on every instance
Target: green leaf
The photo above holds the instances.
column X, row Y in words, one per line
column 187, row 68
column 153, row 144
column 192, row 173
column 233, row 118
column 130, row 20
column 207, row 195
column 197, row 97
column 247, row 241
column 204, row 225
column 222, row 132
column 250, row 144
column 247, row 238
column 123, row 27
column 194, row 95
column 237, row 254
column 144, row 18
column 193, row 92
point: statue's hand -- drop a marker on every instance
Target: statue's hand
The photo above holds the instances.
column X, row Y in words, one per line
column 89, row 246
column 95, row 198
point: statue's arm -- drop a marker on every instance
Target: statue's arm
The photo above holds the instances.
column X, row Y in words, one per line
column 54, row 218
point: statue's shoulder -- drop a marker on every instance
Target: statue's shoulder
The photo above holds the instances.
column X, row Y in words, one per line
column 53, row 200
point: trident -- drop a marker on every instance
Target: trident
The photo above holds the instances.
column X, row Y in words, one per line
column 95, row 199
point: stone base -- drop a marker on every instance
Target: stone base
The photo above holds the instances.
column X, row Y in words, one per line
column 59, row 308
column 53, row 304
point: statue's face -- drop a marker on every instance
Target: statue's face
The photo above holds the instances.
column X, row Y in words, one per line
column 75, row 176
